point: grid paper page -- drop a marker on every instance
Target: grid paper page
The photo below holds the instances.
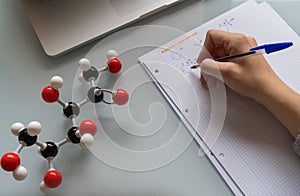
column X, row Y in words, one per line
column 254, row 148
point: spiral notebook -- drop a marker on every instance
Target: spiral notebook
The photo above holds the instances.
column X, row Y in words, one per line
column 247, row 144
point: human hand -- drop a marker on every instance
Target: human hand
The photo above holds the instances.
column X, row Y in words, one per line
column 249, row 76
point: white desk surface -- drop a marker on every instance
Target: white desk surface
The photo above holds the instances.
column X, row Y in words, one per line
column 26, row 70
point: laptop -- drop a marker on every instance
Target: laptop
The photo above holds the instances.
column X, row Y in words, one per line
column 62, row 25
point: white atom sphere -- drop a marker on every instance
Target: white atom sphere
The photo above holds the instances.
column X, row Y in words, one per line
column 111, row 53
column 81, row 78
column 84, row 64
column 44, row 188
column 56, row 82
column 16, row 127
column 20, row 173
column 39, row 151
column 34, row 128
column 86, row 140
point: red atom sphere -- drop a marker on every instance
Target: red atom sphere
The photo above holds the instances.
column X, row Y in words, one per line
column 52, row 178
column 121, row 97
column 114, row 65
column 50, row 94
column 88, row 126
column 10, row 161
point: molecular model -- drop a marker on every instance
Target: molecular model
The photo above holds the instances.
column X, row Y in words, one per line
column 82, row 134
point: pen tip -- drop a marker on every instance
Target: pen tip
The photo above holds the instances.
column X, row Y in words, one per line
column 194, row 67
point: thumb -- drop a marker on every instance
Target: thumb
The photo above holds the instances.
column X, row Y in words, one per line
column 210, row 67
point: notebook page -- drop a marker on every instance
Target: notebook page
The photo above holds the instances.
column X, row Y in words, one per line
column 254, row 148
column 260, row 141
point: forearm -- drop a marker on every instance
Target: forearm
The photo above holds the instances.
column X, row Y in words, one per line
column 283, row 103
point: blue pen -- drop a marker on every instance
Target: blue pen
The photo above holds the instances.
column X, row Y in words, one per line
column 258, row 50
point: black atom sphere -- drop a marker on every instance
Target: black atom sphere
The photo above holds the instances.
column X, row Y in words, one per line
column 91, row 74
column 72, row 135
column 93, row 97
column 25, row 138
column 71, row 110
column 50, row 151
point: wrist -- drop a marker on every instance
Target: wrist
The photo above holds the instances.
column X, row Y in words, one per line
column 283, row 103
column 269, row 92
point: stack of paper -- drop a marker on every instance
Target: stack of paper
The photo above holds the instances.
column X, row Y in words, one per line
column 249, row 147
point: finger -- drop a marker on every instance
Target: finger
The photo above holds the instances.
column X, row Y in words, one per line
column 212, row 82
column 252, row 41
column 210, row 43
column 224, row 39
column 216, row 39
column 204, row 53
column 204, row 78
column 210, row 67
column 219, row 84
column 219, row 52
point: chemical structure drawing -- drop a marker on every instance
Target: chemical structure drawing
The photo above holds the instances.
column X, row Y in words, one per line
column 182, row 59
column 225, row 26
column 177, row 55
column 186, row 66
column 82, row 134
